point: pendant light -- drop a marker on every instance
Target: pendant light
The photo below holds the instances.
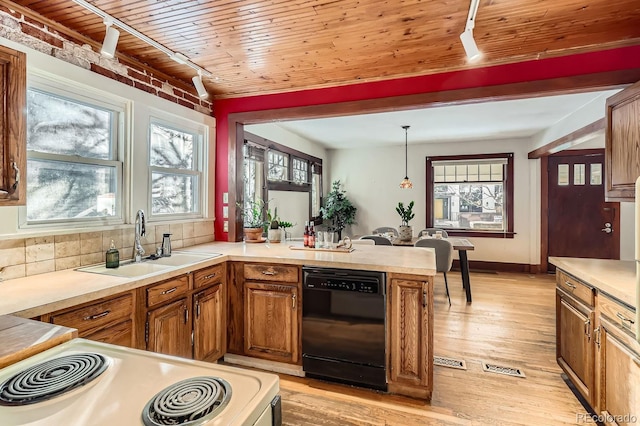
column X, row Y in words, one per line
column 406, row 183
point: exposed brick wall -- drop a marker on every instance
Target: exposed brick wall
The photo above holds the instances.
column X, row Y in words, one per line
column 38, row 36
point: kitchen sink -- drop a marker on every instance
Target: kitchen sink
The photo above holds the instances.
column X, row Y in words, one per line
column 149, row 265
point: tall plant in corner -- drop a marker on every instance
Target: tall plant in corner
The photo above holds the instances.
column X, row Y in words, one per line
column 338, row 210
column 406, row 214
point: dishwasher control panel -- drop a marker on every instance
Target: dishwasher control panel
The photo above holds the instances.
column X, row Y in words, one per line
column 344, row 280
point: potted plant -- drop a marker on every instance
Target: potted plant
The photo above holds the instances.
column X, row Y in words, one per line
column 274, row 234
column 406, row 214
column 252, row 219
column 338, row 210
column 284, row 225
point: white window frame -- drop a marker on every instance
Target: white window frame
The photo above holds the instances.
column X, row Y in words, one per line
column 95, row 98
column 201, row 137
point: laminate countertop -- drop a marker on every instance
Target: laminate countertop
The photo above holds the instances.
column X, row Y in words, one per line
column 617, row 278
column 40, row 294
column 22, row 338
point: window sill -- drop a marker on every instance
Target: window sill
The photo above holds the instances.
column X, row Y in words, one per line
column 479, row 234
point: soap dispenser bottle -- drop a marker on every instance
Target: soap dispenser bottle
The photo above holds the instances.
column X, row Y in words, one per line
column 112, row 256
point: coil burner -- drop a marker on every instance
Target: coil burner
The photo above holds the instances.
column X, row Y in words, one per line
column 51, row 378
column 193, row 401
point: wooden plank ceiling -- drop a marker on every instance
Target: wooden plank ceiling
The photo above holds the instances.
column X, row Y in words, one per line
column 257, row 47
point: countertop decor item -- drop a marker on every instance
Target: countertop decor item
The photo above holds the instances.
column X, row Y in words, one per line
column 253, row 219
column 338, row 210
column 406, row 182
column 406, row 214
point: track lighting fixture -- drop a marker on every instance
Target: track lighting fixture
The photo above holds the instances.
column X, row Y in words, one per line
column 197, row 82
column 468, row 42
column 110, row 42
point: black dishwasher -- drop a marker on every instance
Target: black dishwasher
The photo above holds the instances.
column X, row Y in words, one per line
column 343, row 326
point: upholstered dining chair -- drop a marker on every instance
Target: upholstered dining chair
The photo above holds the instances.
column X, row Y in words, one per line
column 379, row 240
column 444, row 257
column 385, row 230
column 431, row 231
column 364, row 242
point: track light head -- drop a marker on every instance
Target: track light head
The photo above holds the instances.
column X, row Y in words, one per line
column 110, row 42
column 470, row 46
column 197, row 82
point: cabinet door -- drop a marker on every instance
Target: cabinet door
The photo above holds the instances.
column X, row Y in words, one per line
column 622, row 144
column 271, row 322
column 13, row 124
column 411, row 333
column 619, row 375
column 209, row 329
column 574, row 348
column 169, row 329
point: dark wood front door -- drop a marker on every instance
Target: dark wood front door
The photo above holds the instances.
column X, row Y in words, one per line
column 581, row 223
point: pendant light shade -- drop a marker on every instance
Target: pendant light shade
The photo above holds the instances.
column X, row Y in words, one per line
column 406, row 182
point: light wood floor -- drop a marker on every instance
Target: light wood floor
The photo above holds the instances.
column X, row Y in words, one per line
column 511, row 322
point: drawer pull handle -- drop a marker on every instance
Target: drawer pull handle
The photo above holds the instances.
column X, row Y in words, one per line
column 625, row 319
column 96, row 316
column 171, row 290
column 208, row 277
column 269, row 272
column 568, row 284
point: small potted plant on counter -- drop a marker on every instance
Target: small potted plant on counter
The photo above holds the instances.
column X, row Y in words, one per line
column 252, row 219
column 406, row 214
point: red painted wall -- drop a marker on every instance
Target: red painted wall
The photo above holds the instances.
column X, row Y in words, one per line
column 566, row 66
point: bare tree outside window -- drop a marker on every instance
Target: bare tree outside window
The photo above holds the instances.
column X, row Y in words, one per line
column 175, row 177
column 72, row 169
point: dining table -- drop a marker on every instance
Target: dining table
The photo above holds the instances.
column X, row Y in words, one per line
column 462, row 245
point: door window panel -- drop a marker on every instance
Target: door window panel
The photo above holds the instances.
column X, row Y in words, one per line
column 578, row 174
column 563, row 174
column 596, row 174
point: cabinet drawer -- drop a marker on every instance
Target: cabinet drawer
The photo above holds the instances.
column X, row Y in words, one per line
column 205, row 277
column 96, row 315
column 167, row 290
column 280, row 273
column 617, row 312
column 575, row 287
column 120, row 334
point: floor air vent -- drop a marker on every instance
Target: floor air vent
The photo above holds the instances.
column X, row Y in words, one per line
column 449, row 362
column 509, row 371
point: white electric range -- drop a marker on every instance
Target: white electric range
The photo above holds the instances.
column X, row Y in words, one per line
column 82, row 382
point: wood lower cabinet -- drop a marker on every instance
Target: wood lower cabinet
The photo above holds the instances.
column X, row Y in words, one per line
column 411, row 337
column 271, row 321
column 618, row 372
column 208, row 324
column 574, row 346
column 107, row 320
column 168, row 329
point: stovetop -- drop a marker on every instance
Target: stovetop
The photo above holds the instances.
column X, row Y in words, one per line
column 130, row 380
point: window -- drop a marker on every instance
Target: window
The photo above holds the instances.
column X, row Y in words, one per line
column 278, row 166
column 74, row 171
column 300, row 171
column 471, row 195
column 175, row 170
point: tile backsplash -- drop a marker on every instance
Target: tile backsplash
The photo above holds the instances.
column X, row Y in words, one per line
column 32, row 256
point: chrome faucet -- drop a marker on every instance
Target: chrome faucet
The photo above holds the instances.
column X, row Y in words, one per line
column 140, row 231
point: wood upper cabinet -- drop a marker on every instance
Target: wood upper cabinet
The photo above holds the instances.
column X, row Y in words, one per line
column 169, row 329
column 622, row 144
column 13, row 123
column 574, row 347
column 411, row 337
column 108, row 320
column 617, row 364
column 209, row 333
column 271, row 321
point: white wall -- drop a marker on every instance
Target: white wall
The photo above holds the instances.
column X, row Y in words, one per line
column 372, row 176
column 143, row 105
column 293, row 207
